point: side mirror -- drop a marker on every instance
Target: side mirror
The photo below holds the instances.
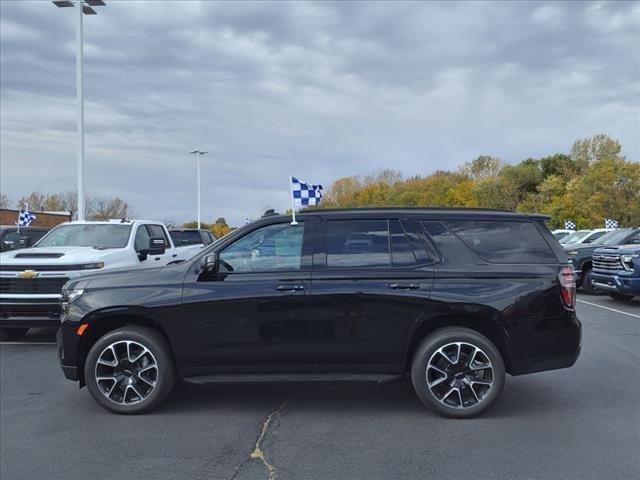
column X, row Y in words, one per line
column 25, row 242
column 156, row 246
column 210, row 263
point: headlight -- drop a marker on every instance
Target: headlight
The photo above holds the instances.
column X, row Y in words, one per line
column 91, row 266
column 71, row 295
column 627, row 260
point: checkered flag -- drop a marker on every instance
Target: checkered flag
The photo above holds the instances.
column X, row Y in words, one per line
column 610, row 223
column 25, row 218
column 569, row 225
column 305, row 194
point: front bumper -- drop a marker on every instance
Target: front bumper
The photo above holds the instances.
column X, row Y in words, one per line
column 67, row 346
column 610, row 282
column 29, row 312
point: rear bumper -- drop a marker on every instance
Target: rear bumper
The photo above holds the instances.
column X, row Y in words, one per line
column 541, row 364
column 616, row 283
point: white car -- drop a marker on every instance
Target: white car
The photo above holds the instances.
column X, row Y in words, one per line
column 561, row 233
column 31, row 279
column 585, row 236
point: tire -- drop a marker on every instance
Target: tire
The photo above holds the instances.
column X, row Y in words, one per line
column 457, row 394
column 587, row 286
column 141, row 364
column 620, row 296
column 9, row 334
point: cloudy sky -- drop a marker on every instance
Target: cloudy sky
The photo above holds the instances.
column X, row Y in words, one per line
column 315, row 90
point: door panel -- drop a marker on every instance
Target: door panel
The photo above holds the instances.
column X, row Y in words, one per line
column 361, row 321
column 368, row 290
column 252, row 313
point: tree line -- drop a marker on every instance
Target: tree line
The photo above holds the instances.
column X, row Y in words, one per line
column 98, row 207
column 590, row 183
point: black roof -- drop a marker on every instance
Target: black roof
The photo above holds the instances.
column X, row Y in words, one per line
column 431, row 212
column 15, row 227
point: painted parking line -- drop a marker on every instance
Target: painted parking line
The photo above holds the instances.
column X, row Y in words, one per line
column 27, row 343
column 610, row 309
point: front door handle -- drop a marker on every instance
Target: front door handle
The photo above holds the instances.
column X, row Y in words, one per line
column 290, row 288
column 404, row 286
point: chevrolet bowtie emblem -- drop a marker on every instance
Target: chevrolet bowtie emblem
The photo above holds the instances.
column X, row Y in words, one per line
column 28, row 274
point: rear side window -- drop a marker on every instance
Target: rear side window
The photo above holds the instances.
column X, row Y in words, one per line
column 504, row 242
column 357, row 243
column 401, row 251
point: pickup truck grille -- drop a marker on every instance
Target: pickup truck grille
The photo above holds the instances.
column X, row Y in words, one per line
column 607, row 262
column 32, row 286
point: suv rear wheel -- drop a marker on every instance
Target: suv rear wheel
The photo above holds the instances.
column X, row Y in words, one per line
column 458, row 372
column 130, row 370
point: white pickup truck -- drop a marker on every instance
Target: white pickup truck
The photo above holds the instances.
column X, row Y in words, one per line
column 31, row 279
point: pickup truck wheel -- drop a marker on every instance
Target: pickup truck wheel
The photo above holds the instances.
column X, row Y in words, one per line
column 587, row 286
column 130, row 370
column 620, row 296
column 9, row 334
column 458, row 372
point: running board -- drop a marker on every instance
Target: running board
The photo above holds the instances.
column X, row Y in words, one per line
column 294, row 377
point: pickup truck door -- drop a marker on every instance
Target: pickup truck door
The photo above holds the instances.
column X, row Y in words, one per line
column 141, row 243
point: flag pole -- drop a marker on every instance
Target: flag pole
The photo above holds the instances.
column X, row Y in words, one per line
column 293, row 205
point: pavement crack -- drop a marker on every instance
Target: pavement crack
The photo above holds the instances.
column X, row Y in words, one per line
column 258, row 453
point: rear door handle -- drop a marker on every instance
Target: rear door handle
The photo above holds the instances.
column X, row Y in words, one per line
column 404, row 286
column 290, row 288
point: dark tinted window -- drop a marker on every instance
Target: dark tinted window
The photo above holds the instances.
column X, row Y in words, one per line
column 189, row 237
column 504, row 242
column 633, row 240
column 594, row 237
column 36, row 235
column 401, row 251
column 357, row 243
column 158, row 231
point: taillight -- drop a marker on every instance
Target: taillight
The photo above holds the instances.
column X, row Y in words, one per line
column 567, row 283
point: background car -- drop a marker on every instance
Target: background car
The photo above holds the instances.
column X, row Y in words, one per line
column 12, row 238
column 580, row 255
column 560, row 234
column 589, row 236
column 191, row 236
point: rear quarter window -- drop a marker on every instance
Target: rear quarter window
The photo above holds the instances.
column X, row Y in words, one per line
column 503, row 242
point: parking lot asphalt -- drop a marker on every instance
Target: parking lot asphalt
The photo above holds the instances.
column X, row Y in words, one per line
column 577, row 423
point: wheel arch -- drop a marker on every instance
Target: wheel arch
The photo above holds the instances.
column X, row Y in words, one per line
column 489, row 328
column 102, row 324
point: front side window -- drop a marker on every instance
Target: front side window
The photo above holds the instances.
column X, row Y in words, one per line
column 10, row 240
column 99, row 235
column 358, row 243
column 271, row 248
column 142, row 239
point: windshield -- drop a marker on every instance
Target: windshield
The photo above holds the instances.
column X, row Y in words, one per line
column 87, row 235
column 575, row 236
column 612, row 238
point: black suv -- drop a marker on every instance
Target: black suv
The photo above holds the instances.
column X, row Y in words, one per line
column 452, row 298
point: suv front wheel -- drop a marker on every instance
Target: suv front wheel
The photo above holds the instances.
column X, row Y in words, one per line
column 458, row 372
column 130, row 370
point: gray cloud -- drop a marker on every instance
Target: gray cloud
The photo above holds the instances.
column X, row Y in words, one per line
column 318, row 90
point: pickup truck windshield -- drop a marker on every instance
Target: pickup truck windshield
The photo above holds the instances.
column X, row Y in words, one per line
column 97, row 236
column 575, row 236
column 613, row 238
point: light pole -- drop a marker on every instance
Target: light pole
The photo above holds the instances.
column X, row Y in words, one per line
column 81, row 6
column 198, row 154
